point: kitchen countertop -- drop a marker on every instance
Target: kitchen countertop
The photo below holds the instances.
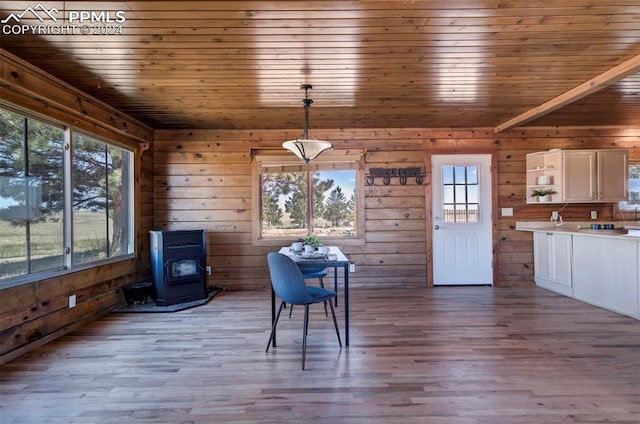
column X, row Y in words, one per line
column 622, row 229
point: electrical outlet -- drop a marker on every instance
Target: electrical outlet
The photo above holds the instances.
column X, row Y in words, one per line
column 554, row 215
column 72, row 301
column 352, row 267
column 594, row 214
column 208, row 269
column 507, row 211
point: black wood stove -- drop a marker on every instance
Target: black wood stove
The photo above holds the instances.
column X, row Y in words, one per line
column 178, row 266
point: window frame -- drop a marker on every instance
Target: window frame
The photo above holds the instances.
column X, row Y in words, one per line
column 334, row 159
column 67, row 248
column 625, row 206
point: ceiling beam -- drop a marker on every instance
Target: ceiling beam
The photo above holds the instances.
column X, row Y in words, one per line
column 630, row 67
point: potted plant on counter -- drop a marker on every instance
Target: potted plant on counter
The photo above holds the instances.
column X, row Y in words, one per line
column 543, row 194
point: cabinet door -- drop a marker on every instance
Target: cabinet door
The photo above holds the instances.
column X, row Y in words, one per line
column 561, row 260
column 580, row 176
column 605, row 273
column 612, row 175
column 552, row 261
column 541, row 255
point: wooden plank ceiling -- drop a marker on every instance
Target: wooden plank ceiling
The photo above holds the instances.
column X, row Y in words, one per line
column 373, row 64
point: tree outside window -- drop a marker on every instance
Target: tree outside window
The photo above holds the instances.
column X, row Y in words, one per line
column 101, row 210
column 297, row 203
column 634, row 184
column 31, row 195
column 633, row 204
column 34, row 165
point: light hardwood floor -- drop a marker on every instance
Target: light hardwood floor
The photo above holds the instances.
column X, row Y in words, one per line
column 445, row 355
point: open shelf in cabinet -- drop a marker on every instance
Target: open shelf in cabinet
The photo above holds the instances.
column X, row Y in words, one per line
column 544, row 172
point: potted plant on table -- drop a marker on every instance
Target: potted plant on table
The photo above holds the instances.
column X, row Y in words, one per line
column 543, row 194
column 313, row 242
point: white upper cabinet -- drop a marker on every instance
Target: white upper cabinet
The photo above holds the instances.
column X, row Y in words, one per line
column 581, row 184
column 613, row 175
column 579, row 176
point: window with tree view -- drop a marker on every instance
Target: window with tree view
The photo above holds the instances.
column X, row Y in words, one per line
column 296, row 203
column 31, row 195
column 38, row 215
column 101, row 209
column 633, row 204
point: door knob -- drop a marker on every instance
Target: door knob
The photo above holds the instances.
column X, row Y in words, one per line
column 437, row 227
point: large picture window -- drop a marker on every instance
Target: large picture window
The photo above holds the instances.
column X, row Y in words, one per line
column 299, row 200
column 55, row 183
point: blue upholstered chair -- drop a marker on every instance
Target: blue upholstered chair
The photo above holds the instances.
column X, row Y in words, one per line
column 288, row 283
column 309, row 272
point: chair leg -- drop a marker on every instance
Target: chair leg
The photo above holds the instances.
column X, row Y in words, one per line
column 325, row 302
column 273, row 329
column 304, row 333
column 335, row 323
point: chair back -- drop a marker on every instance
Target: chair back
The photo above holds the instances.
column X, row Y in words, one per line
column 287, row 280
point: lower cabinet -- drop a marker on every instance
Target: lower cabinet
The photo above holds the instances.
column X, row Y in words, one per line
column 605, row 273
column 552, row 262
column 602, row 271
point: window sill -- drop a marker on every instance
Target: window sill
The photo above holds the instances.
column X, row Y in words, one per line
column 46, row 275
column 354, row 241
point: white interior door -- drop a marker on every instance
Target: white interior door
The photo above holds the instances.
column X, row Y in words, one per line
column 461, row 211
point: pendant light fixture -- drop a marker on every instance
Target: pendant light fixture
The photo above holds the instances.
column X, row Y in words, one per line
column 305, row 148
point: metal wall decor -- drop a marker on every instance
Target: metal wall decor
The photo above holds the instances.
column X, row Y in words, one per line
column 387, row 173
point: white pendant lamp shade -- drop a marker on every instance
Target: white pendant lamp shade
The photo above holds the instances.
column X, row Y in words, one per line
column 305, row 148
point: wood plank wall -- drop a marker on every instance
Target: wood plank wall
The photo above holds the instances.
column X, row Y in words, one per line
column 35, row 313
column 203, row 180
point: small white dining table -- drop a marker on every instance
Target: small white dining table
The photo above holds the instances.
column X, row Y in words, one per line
column 334, row 259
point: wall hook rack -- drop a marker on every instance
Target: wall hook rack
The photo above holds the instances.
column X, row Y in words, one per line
column 401, row 173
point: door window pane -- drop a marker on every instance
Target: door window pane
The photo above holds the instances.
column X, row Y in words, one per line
column 447, row 174
column 447, row 193
column 473, row 216
column 472, row 174
column 472, row 193
column 459, row 175
column 460, row 194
